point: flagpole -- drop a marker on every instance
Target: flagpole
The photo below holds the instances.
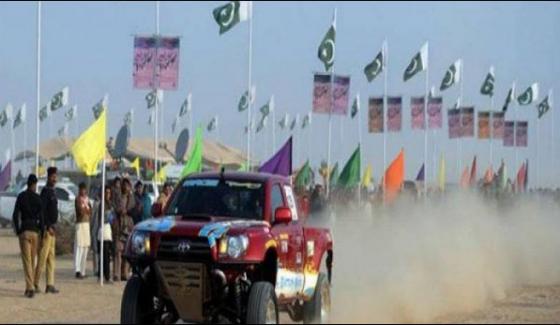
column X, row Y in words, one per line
column 330, row 120
column 426, row 178
column 360, row 145
column 537, row 183
column 459, row 139
column 491, row 131
column 249, row 86
column 273, row 128
column 385, row 60
column 551, row 101
column 25, row 143
column 156, row 108
column 38, row 84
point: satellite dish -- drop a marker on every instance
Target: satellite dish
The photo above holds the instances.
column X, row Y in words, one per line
column 182, row 145
column 121, row 144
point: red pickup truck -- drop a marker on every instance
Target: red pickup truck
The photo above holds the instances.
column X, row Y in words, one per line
column 231, row 247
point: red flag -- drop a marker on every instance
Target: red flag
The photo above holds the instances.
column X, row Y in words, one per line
column 465, row 179
column 394, row 177
column 472, row 180
column 520, row 182
column 489, row 176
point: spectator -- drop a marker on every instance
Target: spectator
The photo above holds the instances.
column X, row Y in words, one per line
column 138, row 210
column 121, row 231
column 105, row 234
column 165, row 193
column 82, row 240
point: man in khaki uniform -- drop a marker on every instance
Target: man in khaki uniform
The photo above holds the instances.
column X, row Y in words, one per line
column 28, row 223
column 47, row 251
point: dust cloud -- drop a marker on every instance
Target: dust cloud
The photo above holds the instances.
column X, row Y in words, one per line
column 417, row 261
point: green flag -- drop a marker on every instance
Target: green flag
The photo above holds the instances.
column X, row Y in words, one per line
column 243, row 102
column 488, row 84
column 194, row 162
column 327, row 47
column 333, row 179
column 151, row 98
column 304, row 176
column 530, row 95
column 186, row 106
column 544, row 106
column 59, row 99
column 21, row 116
column 418, row 63
column 213, row 124
column 306, row 120
column 374, row 68
column 509, row 98
column 452, row 75
column 350, row 175
column 231, row 13
column 44, row 112
column 355, row 106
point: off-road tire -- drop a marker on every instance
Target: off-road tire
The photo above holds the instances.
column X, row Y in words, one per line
column 312, row 309
column 135, row 302
column 258, row 307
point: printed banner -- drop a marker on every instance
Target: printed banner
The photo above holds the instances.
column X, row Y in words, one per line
column 394, row 114
column 168, row 63
column 341, row 91
column 521, row 130
column 435, row 119
column 417, row 112
column 376, row 119
column 498, row 125
column 484, row 125
column 322, row 97
column 144, row 58
column 454, row 123
column 467, row 122
column 509, row 134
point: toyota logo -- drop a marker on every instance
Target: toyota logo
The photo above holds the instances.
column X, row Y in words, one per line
column 184, row 247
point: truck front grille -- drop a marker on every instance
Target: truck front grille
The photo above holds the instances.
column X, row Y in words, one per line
column 190, row 249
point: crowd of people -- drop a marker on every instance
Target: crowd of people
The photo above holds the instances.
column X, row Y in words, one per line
column 35, row 217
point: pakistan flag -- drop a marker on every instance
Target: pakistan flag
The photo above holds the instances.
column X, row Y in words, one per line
column 544, row 106
column 374, row 68
column 59, row 99
column 452, row 75
column 418, row 63
column 327, row 47
column 488, row 84
column 530, row 95
column 230, row 14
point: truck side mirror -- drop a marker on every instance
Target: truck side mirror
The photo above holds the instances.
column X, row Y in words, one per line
column 283, row 215
column 157, row 210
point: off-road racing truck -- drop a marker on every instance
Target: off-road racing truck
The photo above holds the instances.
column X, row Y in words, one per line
column 228, row 247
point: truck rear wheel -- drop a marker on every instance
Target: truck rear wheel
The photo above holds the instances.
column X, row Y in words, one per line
column 137, row 303
column 318, row 309
column 262, row 307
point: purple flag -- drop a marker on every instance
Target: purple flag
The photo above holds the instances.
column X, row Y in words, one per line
column 5, row 175
column 420, row 176
column 467, row 122
column 454, row 123
column 435, row 120
column 509, row 134
column 322, row 96
column 168, row 63
column 341, row 89
column 281, row 162
column 394, row 114
column 144, row 59
column 417, row 112
column 375, row 121
column 498, row 125
column 521, row 129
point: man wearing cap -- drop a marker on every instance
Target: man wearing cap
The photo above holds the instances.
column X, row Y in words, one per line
column 28, row 224
column 47, row 243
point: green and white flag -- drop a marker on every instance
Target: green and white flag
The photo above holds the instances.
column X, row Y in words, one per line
column 509, row 98
column 284, row 121
column 60, row 99
column 186, row 107
column 432, row 93
column 268, row 107
column 45, row 112
column 327, row 47
column 128, row 117
column 6, row 115
column 452, row 75
column 20, row 116
column 306, row 120
column 355, row 106
column 530, row 95
column 545, row 105
column 488, row 84
column 262, row 124
column 71, row 113
column 174, row 124
column 99, row 107
column 232, row 13
column 457, row 103
column 151, row 118
column 151, row 99
column 245, row 99
column 63, row 131
column 418, row 63
column 377, row 66
column 294, row 122
column 213, row 124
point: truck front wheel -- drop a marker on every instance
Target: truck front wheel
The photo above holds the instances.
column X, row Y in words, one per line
column 137, row 303
column 262, row 307
column 317, row 310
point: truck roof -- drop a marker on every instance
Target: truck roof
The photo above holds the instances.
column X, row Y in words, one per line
column 240, row 176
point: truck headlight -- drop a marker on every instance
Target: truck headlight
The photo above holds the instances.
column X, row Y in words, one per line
column 237, row 246
column 140, row 243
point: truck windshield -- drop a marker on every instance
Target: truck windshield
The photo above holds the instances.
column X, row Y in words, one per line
column 222, row 198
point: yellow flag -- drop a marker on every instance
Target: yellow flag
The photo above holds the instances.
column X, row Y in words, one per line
column 441, row 174
column 136, row 165
column 90, row 148
column 161, row 175
column 366, row 180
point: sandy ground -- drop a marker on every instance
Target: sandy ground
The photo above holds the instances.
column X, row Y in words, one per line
column 84, row 301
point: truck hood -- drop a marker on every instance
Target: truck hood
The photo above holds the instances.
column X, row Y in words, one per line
column 212, row 228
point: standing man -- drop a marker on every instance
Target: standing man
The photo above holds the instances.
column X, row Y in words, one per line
column 47, row 251
column 28, row 224
column 82, row 240
column 138, row 203
column 165, row 194
column 122, row 229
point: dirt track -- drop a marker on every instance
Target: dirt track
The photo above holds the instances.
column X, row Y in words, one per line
column 84, row 301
